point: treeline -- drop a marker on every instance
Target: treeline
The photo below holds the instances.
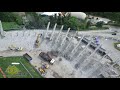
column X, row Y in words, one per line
column 10, row 17
column 115, row 16
column 40, row 21
column 36, row 21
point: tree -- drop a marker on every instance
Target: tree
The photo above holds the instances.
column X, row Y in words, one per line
column 59, row 20
column 115, row 16
column 18, row 20
column 99, row 24
column 88, row 24
column 52, row 21
column 71, row 22
column 37, row 21
column 10, row 17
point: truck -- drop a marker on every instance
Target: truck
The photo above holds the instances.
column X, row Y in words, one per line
column 47, row 57
column 28, row 57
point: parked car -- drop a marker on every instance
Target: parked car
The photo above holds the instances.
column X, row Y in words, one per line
column 114, row 33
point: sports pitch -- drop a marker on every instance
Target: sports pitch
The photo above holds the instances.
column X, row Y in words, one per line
column 22, row 70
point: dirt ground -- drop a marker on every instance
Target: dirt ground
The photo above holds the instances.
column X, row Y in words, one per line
column 63, row 66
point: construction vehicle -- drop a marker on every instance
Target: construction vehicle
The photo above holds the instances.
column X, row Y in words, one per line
column 47, row 57
column 42, row 71
column 12, row 47
column 37, row 42
column 43, row 68
column 19, row 49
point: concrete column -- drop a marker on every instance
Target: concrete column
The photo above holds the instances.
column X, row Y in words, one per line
column 84, row 49
column 17, row 33
column 94, row 51
column 65, row 37
column 53, row 31
column 29, row 33
column 1, row 29
column 47, row 30
column 103, row 57
column 77, row 45
column 96, row 66
column 62, row 43
column 85, row 63
column 23, row 33
column 59, row 33
column 35, row 33
column 11, row 34
column 58, row 36
column 70, row 42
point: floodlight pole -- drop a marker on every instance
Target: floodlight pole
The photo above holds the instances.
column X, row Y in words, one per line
column 1, row 29
column 59, row 34
column 53, row 31
column 47, row 30
column 65, row 37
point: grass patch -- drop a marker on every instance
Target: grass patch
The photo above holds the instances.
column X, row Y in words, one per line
column 115, row 45
column 17, row 71
column 1, row 75
column 12, row 70
column 96, row 28
column 7, row 26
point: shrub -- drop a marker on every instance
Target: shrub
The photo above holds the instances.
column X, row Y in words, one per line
column 115, row 45
column 99, row 24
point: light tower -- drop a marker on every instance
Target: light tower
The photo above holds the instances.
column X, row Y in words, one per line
column 1, row 29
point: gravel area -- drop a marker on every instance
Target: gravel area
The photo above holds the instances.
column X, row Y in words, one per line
column 63, row 67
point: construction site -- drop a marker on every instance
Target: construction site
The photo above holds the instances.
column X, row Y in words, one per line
column 65, row 54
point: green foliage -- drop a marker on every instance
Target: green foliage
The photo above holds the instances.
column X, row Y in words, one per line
column 6, row 61
column 99, row 24
column 18, row 20
column 115, row 16
column 10, row 25
column 96, row 28
column 59, row 20
column 88, row 24
column 10, row 17
column 37, row 21
column 69, row 21
column 72, row 22
column 6, row 16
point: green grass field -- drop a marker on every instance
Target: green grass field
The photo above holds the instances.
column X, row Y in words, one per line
column 1, row 75
column 17, row 71
column 10, row 25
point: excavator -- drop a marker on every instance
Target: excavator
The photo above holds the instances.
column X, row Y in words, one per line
column 37, row 42
column 43, row 68
column 3, row 73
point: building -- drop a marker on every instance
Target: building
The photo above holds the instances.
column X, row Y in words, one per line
column 49, row 13
column 79, row 15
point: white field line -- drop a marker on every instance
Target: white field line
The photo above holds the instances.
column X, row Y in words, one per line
column 26, row 69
